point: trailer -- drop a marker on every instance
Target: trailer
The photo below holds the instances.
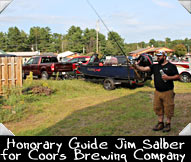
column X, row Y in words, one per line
column 112, row 74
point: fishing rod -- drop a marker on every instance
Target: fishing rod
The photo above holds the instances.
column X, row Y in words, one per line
column 128, row 61
column 107, row 29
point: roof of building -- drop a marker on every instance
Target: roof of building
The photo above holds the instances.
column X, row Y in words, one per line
column 25, row 54
column 161, row 48
column 140, row 50
column 150, row 50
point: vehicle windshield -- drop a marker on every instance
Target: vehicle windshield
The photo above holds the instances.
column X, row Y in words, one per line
column 30, row 61
column 94, row 58
column 65, row 59
column 74, row 60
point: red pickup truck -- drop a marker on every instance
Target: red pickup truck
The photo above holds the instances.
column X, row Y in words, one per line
column 45, row 67
column 84, row 60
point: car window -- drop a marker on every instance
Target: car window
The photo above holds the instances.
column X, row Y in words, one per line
column 54, row 59
column 35, row 60
column 45, row 60
column 30, row 61
column 82, row 60
column 65, row 59
column 74, row 60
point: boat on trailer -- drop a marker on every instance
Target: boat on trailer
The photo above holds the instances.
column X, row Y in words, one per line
column 112, row 74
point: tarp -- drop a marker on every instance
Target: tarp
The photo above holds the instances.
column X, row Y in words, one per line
column 4, row 4
column 186, row 4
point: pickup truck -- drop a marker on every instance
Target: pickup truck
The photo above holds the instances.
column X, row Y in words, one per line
column 84, row 60
column 45, row 66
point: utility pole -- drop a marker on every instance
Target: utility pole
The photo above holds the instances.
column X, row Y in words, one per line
column 84, row 50
column 97, row 36
column 62, row 45
column 36, row 39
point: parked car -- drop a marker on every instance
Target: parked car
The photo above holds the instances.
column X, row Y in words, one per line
column 45, row 67
column 185, row 75
column 184, row 70
column 78, row 60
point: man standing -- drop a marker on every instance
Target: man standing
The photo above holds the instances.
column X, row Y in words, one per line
column 164, row 74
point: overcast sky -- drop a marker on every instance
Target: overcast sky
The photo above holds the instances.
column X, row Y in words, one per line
column 134, row 20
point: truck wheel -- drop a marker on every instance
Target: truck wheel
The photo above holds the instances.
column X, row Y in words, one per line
column 185, row 77
column 109, row 84
column 44, row 75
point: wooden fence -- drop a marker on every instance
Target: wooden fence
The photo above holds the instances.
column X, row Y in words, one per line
column 10, row 72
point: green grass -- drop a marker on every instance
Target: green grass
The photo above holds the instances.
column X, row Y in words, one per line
column 82, row 108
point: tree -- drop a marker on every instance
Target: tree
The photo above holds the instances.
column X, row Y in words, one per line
column 142, row 44
column 40, row 38
column 74, row 38
column 24, row 45
column 152, row 42
column 167, row 42
column 14, row 39
column 34, row 37
column 3, row 41
column 56, row 42
column 180, row 50
column 89, row 41
column 114, row 44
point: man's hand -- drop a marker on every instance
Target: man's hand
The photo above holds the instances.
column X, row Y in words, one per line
column 134, row 65
column 165, row 77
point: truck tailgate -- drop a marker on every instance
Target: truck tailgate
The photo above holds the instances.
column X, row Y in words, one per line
column 63, row 67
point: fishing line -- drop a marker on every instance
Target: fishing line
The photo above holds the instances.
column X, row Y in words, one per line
column 106, row 28
column 128, row 61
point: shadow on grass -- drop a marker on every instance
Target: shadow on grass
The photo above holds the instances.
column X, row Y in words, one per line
column 131, row 115
column 1, row 100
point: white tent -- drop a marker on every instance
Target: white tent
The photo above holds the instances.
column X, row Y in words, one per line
column 64, row 54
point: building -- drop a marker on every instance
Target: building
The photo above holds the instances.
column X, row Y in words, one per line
column 25, row 55
column 150, row 50
column 140, row 51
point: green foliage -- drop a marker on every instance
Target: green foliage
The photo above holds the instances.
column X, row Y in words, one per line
column 112, row 47
column 78, row 40
column 74, row 37
column 15, row 104
column 40, row 38
column 180, row 50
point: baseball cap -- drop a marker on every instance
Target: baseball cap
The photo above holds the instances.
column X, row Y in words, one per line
column 160, row 53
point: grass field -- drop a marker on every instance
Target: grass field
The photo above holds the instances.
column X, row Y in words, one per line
column 81, row 108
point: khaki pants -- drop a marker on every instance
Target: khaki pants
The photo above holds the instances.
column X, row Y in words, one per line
column 164, row 103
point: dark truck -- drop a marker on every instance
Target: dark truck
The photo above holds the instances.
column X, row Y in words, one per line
column 46, row 66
